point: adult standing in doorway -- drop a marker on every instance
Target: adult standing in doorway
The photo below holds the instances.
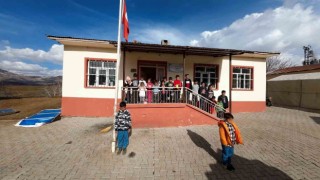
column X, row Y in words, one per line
column 224, row 99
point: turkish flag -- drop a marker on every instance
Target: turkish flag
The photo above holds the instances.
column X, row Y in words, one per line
column 125, row 21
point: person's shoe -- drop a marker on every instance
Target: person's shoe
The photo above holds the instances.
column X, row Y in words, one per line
column 124, row 151
column 119, row 151
column 230, row 167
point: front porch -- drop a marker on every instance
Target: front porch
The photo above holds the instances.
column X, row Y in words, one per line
column 169, row 107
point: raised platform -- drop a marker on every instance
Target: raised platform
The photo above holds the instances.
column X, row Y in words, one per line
column 168, row 115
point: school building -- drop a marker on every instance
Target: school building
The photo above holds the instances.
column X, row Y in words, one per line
column 89, row 66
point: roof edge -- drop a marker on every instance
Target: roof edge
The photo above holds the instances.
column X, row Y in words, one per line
column 63, row 39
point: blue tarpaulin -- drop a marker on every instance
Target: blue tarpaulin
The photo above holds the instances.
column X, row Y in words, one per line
column 41, row 118
column 7, row 111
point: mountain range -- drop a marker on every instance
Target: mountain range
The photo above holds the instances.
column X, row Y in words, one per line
column 9, row 78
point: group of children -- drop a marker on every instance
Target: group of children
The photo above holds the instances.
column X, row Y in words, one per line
column 140, row 91
column 220, row 105
column 169, row 91
column 228, row 131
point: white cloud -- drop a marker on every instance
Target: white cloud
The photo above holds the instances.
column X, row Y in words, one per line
column 54, row 54
column 158, row 33
column 285, row 29
column 23, row 68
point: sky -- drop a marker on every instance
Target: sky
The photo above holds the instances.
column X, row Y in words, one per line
column 263, row 25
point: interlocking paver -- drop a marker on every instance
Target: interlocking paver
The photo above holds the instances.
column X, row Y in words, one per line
column 279, row 144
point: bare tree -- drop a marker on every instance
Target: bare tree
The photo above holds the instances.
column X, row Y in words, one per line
column 53, row 90
column 276, row 62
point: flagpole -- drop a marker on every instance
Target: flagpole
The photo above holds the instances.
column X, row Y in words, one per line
column 113, row 145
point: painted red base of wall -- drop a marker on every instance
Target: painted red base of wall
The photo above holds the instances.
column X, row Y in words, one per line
column 167, row 115
column 94, row 107
column 151, row 115
column 247, row 106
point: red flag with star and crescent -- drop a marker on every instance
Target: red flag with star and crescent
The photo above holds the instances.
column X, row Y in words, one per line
column 125, row 21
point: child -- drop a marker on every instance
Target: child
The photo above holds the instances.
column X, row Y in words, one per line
column 213, row 100
column 210, row 92
column 149, row 92
column 163, row 92
column 177, row 84
column 195, row 89
column 123, row 127
column 142, row 92
column 224, row 99
column 229, row 136
column 156, row 92
column 187, row 82
column 219, row 109
column 169, row 86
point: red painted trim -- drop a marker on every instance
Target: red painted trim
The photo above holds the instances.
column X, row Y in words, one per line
column 252, row 75
column 86, row 59
column 141, row 62
column 212, row 65
column 92, row 107
column 248, row 106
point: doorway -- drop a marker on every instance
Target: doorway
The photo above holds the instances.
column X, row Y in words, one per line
column 155, row 70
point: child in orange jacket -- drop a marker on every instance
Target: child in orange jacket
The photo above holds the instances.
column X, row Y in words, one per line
column 229, row 136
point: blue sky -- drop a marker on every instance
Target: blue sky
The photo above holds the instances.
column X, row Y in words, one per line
column 248, row 24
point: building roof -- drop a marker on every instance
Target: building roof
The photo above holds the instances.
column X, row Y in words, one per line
column 303, row 76
column 296, row 69
column 158, row 48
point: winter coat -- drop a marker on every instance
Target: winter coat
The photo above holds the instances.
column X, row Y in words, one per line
column 123, row 121
column 225, row 134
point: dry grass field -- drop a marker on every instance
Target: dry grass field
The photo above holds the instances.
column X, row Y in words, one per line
column 28, row 106
column 22, row 91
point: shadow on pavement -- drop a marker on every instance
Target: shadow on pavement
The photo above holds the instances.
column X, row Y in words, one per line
column 315, row 119
column 245, row 168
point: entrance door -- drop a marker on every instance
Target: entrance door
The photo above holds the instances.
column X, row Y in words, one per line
column 148, row 72
column 152, row 69
column 161, row 72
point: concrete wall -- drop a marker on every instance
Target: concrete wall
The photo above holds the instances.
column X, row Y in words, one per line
column 297, row 93
column 74, row 72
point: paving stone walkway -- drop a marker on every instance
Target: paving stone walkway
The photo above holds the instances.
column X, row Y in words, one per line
column 279, row 144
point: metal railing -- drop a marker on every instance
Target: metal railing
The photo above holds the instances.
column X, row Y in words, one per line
column 132, row 95
column 152, row 95
column 203, row 103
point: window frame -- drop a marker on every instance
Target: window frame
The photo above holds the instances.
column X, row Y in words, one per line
column 252, row 78
column 86, row 73
column 216, row 66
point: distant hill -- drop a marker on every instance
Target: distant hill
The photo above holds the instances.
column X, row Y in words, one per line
column 9, row 78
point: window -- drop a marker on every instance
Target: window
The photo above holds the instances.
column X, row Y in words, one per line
column 242, row 78
column 101, row 73
column 207, row 74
